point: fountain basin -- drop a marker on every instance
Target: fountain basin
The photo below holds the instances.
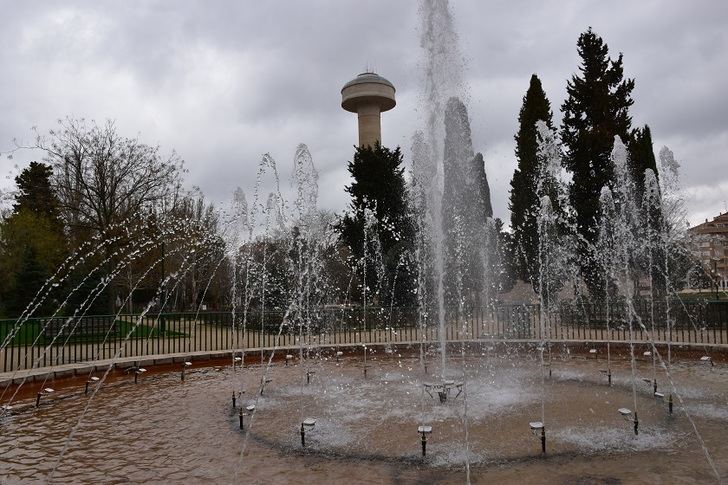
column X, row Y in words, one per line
column 369, row 423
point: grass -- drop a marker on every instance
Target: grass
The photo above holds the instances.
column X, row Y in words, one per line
column 705, row 295
column 31, row 329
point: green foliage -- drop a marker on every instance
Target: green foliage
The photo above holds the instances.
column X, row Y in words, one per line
column 524, row 201
column 378, row 182
column 502, row 261
column 29, row 278
column 35, row 192
column 379, row 186
column 32, row 331
column 595, row 111
column 31, row 241
column 641, row 156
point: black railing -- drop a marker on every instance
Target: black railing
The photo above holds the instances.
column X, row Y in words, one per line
column 42, row 342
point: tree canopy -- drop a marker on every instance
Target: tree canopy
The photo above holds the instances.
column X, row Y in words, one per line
column 32, row 242
column 378, row 186
column 524, row 201
column 595, row 111
column 102, row 178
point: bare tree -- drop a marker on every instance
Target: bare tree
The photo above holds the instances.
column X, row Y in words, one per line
column 107, row 184
column 201, row 222
column 103, row 178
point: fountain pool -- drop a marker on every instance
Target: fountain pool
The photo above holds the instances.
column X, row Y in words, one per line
column 167, row 430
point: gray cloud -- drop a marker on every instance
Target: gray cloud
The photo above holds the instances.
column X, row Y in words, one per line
column 225, row 82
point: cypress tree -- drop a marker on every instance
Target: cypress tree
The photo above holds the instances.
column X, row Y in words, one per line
column 466, row 210
column 524, row 200
column 641, row 159
column 641, row 156
column 595, row 111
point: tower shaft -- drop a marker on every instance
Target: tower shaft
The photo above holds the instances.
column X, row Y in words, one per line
column 370, row 124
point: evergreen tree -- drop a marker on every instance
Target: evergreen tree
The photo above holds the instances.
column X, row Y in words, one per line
column 31, row 243
column 466, row 211
column 524, row 201
column 595, row 111
column 501, row 263
column 379, row 186
column 641, row 163
column 641, row 156
column 35, row 192
column 28, row 279
column 481, row 195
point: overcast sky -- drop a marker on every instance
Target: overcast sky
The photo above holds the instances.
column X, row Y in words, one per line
column 222, row 82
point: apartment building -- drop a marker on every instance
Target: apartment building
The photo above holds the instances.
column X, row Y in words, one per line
column 712, row 246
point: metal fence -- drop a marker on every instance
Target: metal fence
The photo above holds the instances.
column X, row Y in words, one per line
column 693, row 322
column 42, row 342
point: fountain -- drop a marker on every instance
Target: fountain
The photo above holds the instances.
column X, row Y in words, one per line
column 468, row 377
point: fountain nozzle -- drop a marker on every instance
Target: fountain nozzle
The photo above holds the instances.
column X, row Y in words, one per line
column 185, row 364
column 424, row 431
column 91, row 380
column 250, row 408
column 537, row 426
column 263, row 381
column 43, row 392
column 626, row 413
column 307, row 423
column 136, row 370
column 608, row 372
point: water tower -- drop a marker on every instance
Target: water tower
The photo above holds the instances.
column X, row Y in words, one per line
column 368, row 95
